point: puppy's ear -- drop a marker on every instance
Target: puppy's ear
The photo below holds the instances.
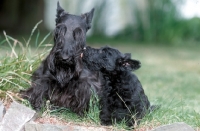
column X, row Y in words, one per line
column 88, row 18
column 128, row 55
column 130, row 64
column 60, row 12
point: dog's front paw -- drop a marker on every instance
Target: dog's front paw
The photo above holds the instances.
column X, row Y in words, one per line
column 106, row 122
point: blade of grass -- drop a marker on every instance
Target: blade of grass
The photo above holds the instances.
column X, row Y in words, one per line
column 13, row 83
column 32, row 32
column 2, row 42
column 15, row 40
column 13, row 73
column 44, row 39
column 13, row 48
column 37, row 37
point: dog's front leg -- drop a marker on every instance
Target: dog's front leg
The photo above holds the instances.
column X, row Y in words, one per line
column 37, row 94
column 105, row 113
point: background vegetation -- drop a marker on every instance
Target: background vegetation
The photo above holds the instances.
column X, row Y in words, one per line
column 160, row 21
column 163, row 25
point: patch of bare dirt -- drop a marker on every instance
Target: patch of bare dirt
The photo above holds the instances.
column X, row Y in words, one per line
column 51, row 120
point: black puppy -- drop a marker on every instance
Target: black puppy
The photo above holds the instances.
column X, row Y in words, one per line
column 123, row 96
column 62, row 77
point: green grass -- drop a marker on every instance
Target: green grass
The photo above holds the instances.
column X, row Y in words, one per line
column 18, row 61
column 170, row 76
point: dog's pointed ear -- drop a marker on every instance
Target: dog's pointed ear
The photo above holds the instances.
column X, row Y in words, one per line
column 127, row 55
column 88, row 18
column 60, row 12
column 131, row 64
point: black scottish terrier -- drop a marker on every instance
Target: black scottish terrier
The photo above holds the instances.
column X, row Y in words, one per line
column 62, row 77
column 122, row 94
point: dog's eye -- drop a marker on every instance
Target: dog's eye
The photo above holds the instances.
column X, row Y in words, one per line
column 119, row 61
column 87, row 28
column 60, row 30
column 77, row 34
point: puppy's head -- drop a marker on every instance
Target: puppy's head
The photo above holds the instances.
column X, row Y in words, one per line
column 113, row 60
column 126, row 63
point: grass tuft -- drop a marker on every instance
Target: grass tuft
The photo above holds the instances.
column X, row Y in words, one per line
column 18, row 62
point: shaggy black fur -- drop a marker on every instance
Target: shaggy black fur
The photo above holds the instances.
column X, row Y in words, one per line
column 62, row 77
column 123, row 96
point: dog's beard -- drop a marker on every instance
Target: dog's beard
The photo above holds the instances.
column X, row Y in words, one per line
column 64, row 72
column 63, row 76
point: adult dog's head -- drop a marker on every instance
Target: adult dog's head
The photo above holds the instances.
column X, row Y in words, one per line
column 69, row 37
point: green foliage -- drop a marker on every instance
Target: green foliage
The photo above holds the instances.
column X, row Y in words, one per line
column 164, row 25
column 189, row 29
column 163, row 16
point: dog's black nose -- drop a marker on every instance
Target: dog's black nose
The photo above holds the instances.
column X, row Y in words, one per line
column 65, row 58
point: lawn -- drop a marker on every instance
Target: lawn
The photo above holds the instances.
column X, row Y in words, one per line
column 170, row 76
